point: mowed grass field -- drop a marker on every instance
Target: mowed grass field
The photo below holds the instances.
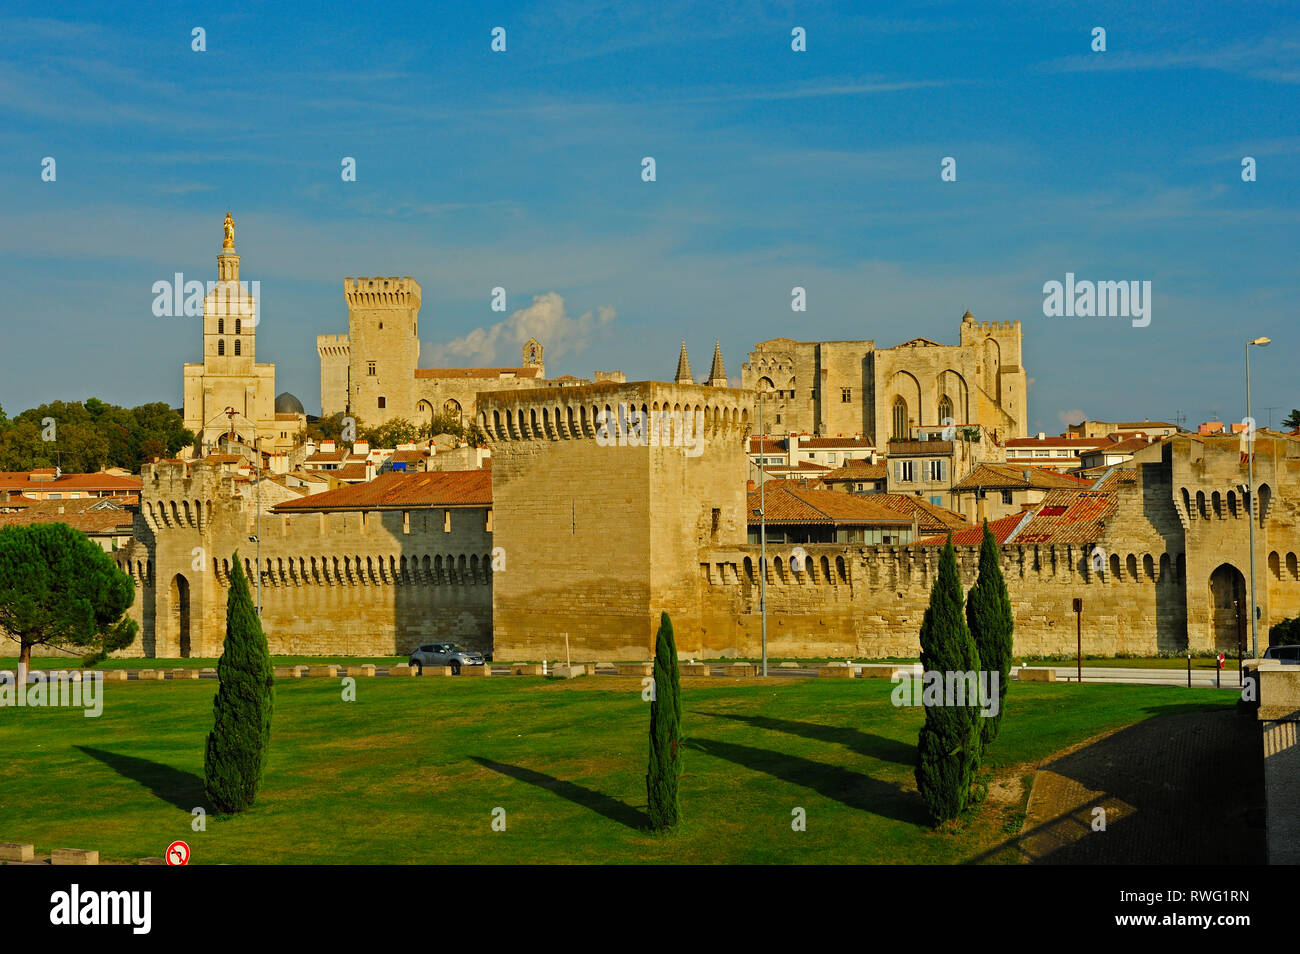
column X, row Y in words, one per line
column 412, row 771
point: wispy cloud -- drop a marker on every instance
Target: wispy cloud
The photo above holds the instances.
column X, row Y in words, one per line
column 545, row 319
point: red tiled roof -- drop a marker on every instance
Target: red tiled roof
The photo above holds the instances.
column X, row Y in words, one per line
column 475, row 372
column 1001, row 529
column 930, row 518
column 1072, row 516
column 1015, row 477
column 767, row 445
column 403, row 491
column 21, row 481
column 787, row 505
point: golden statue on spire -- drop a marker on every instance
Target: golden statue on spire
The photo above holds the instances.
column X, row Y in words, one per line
column 230, row 232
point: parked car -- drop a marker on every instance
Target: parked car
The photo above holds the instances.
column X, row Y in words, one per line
column 1286, row 654
column 444, row 654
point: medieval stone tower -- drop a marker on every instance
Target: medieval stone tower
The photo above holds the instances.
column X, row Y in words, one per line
column 1000, row 371
column 381, row 350
column 229, row 392
column 602, row 497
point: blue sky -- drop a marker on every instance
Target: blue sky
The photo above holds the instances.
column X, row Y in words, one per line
column 774, row 169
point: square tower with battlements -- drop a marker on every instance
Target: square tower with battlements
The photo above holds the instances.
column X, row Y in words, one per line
column 382, row 349
column 602, row 496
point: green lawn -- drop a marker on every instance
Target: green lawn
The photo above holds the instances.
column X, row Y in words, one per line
column 412, row 770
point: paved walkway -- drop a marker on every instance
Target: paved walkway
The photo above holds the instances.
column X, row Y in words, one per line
column 1177, row 789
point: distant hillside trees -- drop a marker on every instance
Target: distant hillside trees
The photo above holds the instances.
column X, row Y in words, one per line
column 86, row 437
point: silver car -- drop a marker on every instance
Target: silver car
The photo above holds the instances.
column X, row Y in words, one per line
column 444, row 654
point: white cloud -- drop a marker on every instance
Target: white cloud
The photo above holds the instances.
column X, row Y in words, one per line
column 501, row 344
column 1071, row 417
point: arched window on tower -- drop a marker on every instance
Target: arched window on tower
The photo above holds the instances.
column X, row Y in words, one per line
column 221, row 347
column 900, row 432
column 237, row 326
column 236, row 346
column 945, row 410
column 221, row 326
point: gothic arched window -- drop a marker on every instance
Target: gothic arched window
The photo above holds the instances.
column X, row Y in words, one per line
column 900, row 419
column 945, row 410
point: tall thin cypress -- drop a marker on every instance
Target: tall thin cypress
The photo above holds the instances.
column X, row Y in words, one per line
column 241, row 732
column 948, row 746
column 988, row 614
column 665, row 732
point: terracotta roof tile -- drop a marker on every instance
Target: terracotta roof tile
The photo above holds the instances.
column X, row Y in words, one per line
column 930, row 518
column 1015, row 477
column 973, row 536
column 403, row 491
column 787, row 505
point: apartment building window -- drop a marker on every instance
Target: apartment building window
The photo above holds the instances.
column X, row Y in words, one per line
column 1006, row 497
column 937, row 470
column 370, row 368
column 1042, row 453
column 846, row 395
column 830, row 458
column 907, row 471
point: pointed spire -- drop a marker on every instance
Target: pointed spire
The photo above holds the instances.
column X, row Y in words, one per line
column 684, row 367
column 717, row 373
column 968, row 316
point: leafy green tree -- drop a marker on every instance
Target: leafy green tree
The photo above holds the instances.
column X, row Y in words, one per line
column 665, row 732
column 1292, row 420
column 235, row 757
column 988, row 615
column 58, row 588
column 330, row 428
column 391, row 433
column 948, row 746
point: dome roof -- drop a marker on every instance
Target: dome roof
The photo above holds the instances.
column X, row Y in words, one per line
column 286, row 403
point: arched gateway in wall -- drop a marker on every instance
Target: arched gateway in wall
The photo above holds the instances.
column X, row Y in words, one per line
column 1227, row 607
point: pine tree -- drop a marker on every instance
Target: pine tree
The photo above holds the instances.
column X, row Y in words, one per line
column 237, row 745
column 948, row 747
column 988, row 614
column 665, row 732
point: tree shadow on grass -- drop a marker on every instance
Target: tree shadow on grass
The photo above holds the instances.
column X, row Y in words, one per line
column 182, row 789
column 848, row 788
column 863, row 743
column 597, row 802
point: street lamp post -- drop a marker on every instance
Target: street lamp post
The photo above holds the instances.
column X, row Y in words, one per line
column 1250, row 477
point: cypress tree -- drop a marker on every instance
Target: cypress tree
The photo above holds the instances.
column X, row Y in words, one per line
column 665, row 732
column 237, row 745
column 988, row 614
column 948, row 747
